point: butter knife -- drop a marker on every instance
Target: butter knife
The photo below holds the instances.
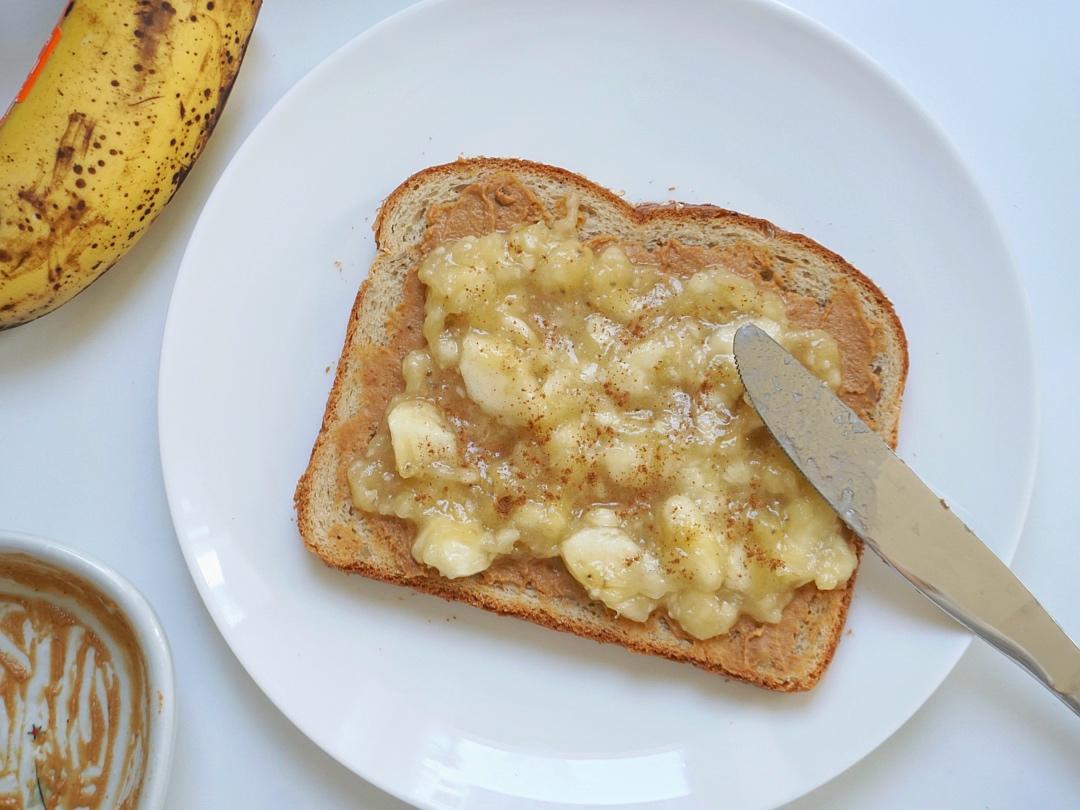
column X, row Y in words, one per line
column 899, row 517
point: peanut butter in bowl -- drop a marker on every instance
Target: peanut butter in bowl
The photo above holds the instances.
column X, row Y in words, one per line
column 85, row 716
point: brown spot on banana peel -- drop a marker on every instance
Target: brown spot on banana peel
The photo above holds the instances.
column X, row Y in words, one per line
column 69, row 230
column 178, row 177
column 87, row 127
column 79, row 129
column 212, row 115
column 152, row 26
column 60, row 222
column 56, row 276
column 35, row 201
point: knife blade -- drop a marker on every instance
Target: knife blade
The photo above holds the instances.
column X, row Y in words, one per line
column 910, row 527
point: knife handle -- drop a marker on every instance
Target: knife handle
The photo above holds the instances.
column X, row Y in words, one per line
column 1024, row 631
column 1035, row 641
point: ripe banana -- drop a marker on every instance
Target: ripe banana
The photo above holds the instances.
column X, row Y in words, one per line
column 104, row 131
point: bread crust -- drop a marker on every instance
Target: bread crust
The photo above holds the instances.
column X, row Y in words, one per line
column 789, row 656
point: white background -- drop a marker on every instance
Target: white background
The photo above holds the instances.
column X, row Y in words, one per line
column 78, row 441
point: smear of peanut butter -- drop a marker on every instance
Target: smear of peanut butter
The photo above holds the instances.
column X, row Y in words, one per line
column 73, row 693
column 501, row 201
column 495, row 204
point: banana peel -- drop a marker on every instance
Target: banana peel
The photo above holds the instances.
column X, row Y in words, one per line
column 107, row 126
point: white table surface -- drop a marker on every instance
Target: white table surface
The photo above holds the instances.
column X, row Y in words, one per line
column 78, row 433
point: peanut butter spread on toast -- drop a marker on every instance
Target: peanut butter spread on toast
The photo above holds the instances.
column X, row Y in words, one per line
column 575, row 401
column 501, row 202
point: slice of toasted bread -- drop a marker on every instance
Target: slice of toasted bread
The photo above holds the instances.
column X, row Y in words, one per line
column 385, row 324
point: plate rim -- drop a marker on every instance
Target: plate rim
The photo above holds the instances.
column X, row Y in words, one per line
column 813, row 28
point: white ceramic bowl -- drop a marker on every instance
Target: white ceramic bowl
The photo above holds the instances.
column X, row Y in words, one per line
column 148, row 633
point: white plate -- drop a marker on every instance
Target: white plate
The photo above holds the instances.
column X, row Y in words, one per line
column 742, row 104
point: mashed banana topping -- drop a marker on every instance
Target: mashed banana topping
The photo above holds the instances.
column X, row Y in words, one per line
column 571, row 402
